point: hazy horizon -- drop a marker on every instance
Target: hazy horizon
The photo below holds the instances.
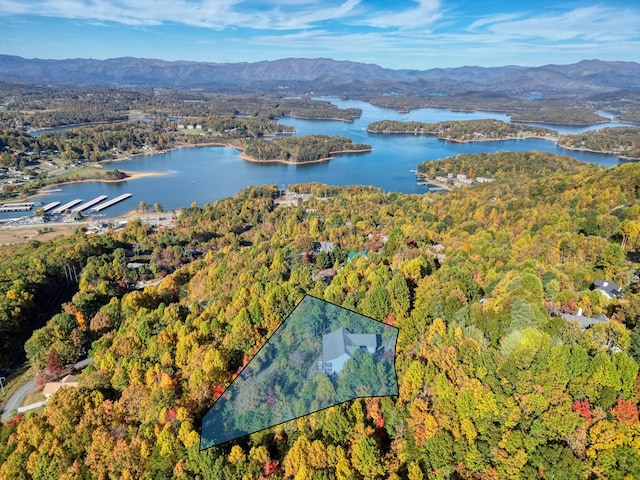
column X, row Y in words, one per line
column 318, row 58
column 419, row 35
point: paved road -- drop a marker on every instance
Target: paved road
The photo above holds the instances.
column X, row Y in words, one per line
column 16, row 400
column 18, row 397
column 83, row 363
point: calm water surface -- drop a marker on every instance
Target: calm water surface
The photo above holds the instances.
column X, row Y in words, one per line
column 206, row 174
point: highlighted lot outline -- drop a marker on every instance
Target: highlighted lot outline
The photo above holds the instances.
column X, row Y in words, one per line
column 320, row 356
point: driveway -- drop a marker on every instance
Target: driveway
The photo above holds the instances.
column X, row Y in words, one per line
column 16, row 400
column 18, row 397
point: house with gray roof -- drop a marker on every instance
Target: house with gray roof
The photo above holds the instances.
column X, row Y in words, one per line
column 326, row 247
column 340, row 345
column 585, row 322
column 608, row 288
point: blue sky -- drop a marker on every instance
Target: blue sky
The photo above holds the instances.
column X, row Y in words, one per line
column 417, row 34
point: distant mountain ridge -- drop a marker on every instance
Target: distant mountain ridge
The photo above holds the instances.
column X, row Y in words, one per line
column 585, row 77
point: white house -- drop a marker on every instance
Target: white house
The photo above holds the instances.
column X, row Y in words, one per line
column 52, row 387
column 340, row 345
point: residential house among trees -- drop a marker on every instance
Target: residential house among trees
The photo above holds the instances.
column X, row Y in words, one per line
column 326, row 247
column 585, row 322
column 608, row 288
column 52, row 387
column 340, row 345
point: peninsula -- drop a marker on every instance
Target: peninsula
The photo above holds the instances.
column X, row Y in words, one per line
column 487, row 130
column 620, row 141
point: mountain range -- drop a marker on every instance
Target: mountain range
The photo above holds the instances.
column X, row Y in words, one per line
column 324, row 75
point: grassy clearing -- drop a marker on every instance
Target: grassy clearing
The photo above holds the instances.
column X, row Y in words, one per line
column 33, row 397
column 82, row 173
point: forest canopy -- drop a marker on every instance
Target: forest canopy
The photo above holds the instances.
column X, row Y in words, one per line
column 621, row 141
column 309, row 148
column 463, row 131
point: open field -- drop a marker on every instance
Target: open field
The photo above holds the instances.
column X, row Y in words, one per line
column 14, row 234
column 26, row 233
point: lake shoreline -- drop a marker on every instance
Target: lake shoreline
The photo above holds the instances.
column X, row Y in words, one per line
column 130, row 176
column 288, row 162
column 506, row 139
column 496, row 110
column 457, row 140
column 333, row 119
column 208, row 174
column 165, row 151
column 600, row 152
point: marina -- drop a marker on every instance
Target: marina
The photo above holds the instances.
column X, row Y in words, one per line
column 91, row 203
column 49, row 206
column 17, row 207
column 67, row 205
column 111, row 202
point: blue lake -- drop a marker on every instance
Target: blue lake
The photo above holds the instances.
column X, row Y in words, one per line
column 206, row 174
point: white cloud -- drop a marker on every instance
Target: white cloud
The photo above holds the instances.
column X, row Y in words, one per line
column 269, row 14
column 425, row 13
column 499, row 18
column 589, row 23
column 403, row 36
column 309, row 17
column 423, row 49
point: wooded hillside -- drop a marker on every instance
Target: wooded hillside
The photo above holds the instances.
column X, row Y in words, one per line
column 493, row 382
column 463, row 131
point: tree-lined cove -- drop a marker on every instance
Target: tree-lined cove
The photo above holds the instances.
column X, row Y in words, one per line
column 210, row 173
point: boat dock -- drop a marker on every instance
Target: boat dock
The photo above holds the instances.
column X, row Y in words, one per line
column 89, row 204
column 16, row 207
column 431, row 187
column 434, row 185
column 49, row 206
column 70, row 204
column 111, row 202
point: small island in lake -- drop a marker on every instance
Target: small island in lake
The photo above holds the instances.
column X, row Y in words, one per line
column 464, row 131
column 296, row 150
